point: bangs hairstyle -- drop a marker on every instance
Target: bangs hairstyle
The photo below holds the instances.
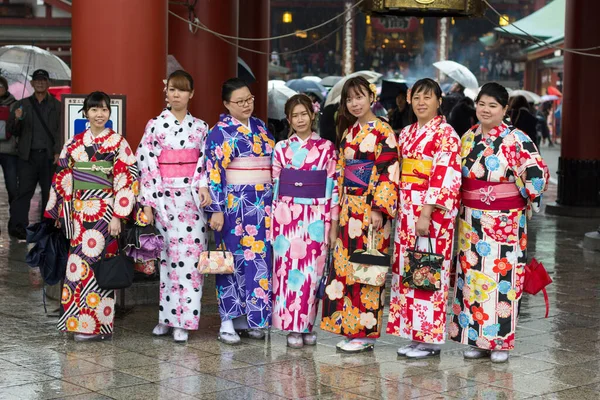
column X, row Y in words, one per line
column 358, row 84
column 497, row 91
column 302, row 100
column 96, row 99
column 181, row 80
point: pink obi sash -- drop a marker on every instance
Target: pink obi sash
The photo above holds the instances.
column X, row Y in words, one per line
column 249, row 171
column 485, row 195
column 178, row 163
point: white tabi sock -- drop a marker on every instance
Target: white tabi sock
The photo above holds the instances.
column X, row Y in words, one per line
column 364, row 340
column 240, row 323
column 227, row 326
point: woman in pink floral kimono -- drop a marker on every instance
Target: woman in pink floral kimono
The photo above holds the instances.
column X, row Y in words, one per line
column 305, row 204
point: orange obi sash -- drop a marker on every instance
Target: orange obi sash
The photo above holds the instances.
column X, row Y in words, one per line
column 416, row 171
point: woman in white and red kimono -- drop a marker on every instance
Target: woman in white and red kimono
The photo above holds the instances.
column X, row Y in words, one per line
column 429, row 189
column 173, row 191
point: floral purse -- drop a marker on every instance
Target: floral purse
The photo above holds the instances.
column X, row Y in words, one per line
column 370, row 266
column 216, row 261
column 423, row 269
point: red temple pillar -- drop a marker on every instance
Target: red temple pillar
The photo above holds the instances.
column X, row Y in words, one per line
column 120, row 47
column 207, row 58
column 255, row 22
column 579, row 165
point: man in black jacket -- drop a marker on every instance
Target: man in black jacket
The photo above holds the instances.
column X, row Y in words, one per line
column 35, row 121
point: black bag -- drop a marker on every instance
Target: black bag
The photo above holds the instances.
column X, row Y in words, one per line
column 325, row 277
column 423, row 269
column 113, row 273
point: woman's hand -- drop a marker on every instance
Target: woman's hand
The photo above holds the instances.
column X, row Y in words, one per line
column 376, row 219
column 57, row 224
column 333, row 234
column 149, row 215
column 216, row 221
column 422, row 225
column 205, row 199
column 114, row 228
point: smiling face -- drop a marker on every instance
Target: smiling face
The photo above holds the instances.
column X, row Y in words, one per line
column 489, row 112
column 425, row 104
column 241, row 104
column 98, row 115
column 359, row 101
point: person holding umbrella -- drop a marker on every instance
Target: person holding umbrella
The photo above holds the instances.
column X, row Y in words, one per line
column 35, row 121
column 8, row 145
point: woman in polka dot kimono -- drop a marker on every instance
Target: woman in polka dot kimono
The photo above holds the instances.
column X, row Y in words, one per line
column 89, row 204
column 173, row 191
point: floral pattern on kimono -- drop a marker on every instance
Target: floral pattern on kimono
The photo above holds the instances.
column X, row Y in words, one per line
column 493, row 243
column 417, row 314
column 300, row 232
column 85, row 215
column 247, row 213
column 177, row 215
column 352, row 309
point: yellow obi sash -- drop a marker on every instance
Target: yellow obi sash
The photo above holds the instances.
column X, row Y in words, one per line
column 415, row 171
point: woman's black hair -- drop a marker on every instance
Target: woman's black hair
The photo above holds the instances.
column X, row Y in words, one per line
column 518, row 102
column 96, row 99
column 497, row 91
column 425, row 85
column 230, row 86
column 181, row 80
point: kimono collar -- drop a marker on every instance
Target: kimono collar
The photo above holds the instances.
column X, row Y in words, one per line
column 170, row 118
column 230, row 120
column 433, row 124
column 494, row 132
column 89, row 138
column 313, row 136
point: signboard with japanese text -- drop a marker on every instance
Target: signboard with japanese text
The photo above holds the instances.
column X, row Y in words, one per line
column 73, row 121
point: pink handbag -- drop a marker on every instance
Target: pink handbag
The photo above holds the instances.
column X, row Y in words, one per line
column 216, row 261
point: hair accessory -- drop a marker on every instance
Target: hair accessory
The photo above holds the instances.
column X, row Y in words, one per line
column 316, row 107
column 373, row 89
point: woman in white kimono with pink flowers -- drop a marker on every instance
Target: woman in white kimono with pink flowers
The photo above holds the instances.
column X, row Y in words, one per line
column 173, row 191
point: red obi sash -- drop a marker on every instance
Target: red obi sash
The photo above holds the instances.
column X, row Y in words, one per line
column 485, row 195
column 178, row 163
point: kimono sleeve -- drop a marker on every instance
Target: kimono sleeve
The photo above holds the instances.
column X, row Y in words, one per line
column 125, row 184
column 385, row 193
column 532, row 171
column 147, row 159
column 219, row 153
column 333, row 184
column 61, row 190
column 445, row 177
column 199, row 180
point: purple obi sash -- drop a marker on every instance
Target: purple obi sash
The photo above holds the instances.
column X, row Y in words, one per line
column 306, row 184
column 357, row 173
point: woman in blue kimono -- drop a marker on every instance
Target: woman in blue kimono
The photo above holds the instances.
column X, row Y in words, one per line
column 238, row 154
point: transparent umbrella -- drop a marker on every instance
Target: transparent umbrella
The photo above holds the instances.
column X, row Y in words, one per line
column 458, row 72
column 335, row 93
column 30, row 58
column 277, row 97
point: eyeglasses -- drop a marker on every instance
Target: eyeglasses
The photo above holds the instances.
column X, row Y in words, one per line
column 242, row 103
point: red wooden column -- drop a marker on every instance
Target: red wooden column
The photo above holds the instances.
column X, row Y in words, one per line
column 120, row 47
column 255, row 22
column 579, row 166
column 210, row 60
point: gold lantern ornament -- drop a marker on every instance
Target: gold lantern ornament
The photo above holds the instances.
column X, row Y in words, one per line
column 425, row 8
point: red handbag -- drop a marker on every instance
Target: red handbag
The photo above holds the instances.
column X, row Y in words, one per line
column 536, row 280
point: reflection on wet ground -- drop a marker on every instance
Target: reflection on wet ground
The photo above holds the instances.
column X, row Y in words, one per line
column 555, row 358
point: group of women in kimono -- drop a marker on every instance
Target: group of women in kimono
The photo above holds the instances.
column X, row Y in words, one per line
column 282, row 208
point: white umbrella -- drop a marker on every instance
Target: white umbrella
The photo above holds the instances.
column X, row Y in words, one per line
column 277, row 97
column 30, row 58
column 335, row 94
column 530, row 96
column 312, row 78
column 458, row 72
column 549, row 97
column 18, row 83
column 275, row 83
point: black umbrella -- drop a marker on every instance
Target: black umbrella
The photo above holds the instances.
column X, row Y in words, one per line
column 390, row 88
column 50, row 253
column 245, row 72
column 307, row 86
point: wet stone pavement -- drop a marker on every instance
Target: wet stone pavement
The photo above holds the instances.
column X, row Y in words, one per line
column 555, row 358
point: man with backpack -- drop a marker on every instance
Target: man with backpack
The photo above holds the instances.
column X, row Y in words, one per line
column 35, row 121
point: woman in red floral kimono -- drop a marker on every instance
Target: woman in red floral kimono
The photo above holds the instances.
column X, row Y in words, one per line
column 93, row 189
column 429, row 188
column 504, row 177
column 368, row 172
